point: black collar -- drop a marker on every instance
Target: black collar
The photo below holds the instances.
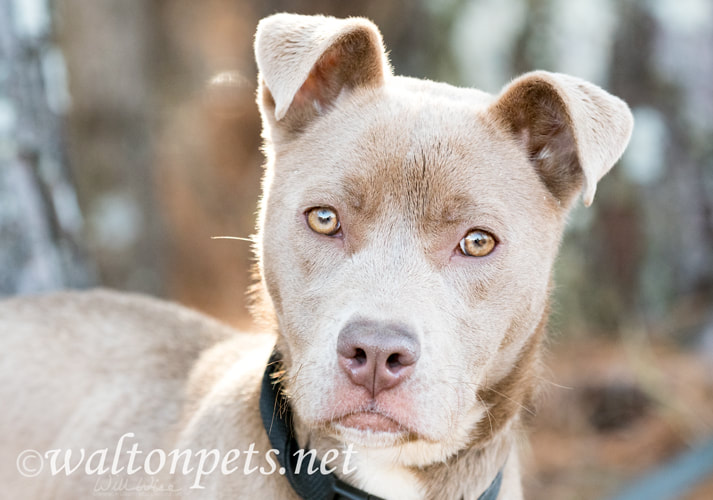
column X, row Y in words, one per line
column 277, row 419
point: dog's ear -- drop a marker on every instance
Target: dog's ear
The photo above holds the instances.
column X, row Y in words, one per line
column 573, row 131
column 306, row 61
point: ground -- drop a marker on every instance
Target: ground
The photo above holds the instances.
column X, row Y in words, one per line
column 611, row 410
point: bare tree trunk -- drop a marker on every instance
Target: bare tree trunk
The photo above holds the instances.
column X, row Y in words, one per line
column 40, row 222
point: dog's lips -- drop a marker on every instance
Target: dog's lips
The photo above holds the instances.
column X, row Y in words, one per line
column 370, row 421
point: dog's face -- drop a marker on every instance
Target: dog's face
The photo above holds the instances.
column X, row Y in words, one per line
column 408, row 230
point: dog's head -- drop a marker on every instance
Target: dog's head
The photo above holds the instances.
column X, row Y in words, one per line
column 408, row 230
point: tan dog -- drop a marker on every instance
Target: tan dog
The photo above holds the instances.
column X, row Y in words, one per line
column 406, row 240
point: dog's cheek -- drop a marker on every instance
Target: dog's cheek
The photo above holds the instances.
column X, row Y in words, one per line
column 501, row 308
column 309, row 321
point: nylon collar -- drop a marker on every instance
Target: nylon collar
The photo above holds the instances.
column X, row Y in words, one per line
column 277, row 419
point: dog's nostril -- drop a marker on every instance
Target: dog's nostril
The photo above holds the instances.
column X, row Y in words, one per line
column 394, row 361
column 360, row 356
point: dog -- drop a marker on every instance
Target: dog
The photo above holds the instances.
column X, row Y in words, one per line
column 405, row 245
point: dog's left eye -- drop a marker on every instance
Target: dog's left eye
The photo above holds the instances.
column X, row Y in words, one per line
column 323, row 220
column 478, row 243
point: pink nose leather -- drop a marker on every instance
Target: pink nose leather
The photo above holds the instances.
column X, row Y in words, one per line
column 377, row 355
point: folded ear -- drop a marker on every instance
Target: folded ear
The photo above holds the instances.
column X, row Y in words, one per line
column 573, row 131
column 306, row 61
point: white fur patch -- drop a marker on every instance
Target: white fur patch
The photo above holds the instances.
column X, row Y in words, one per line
column 378, row 474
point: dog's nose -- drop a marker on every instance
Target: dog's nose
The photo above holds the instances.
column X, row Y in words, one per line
column 377, row 355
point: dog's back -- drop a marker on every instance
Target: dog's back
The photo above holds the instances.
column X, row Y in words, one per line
column 80, row 369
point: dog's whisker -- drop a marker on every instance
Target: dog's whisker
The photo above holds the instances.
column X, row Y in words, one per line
column 239, row 238
column 528, row 410
column 555, row 384
column 487, row 412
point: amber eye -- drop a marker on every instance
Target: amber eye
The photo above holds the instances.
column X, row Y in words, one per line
column 477, row 243
column 323, row 220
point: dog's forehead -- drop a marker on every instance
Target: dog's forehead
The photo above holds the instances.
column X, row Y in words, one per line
column 428, row 150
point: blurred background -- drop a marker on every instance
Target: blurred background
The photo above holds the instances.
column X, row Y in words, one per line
column 117, row 166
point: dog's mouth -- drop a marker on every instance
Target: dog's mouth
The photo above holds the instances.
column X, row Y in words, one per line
column 370, row 421
column 371, row 427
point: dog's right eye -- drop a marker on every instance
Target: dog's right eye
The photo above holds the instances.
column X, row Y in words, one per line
column 478, row 243
column 323, row 220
